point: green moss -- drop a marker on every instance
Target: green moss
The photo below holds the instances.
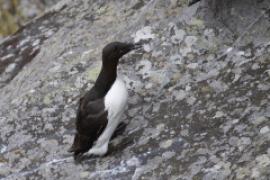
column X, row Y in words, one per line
column 47, row 99
column 92, row 74
column 197, row 22
column 102, row 10
column 10, row 17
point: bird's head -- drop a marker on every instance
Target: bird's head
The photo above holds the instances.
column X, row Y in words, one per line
column 112, row 52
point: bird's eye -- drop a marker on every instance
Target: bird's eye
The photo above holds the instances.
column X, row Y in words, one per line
column 115, row 48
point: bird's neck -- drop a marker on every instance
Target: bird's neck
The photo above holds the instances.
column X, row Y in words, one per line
column 105, row 79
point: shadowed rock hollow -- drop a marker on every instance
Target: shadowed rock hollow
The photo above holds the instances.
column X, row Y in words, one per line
column 198, row 103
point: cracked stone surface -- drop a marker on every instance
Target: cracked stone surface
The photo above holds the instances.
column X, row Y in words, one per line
column 199, row 93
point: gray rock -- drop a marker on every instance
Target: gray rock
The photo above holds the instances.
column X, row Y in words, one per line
column 264, row 130
column 199, row 100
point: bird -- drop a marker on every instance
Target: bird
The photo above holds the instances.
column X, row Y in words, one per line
column 100, row 109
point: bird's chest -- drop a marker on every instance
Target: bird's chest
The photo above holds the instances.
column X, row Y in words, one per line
column 116, row 99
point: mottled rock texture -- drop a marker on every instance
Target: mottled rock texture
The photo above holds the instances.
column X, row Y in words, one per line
column 199, row 101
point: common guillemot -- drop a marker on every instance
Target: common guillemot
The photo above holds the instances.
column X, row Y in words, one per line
column 100, row 110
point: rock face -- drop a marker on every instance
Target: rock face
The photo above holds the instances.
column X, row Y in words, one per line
column 199, row 103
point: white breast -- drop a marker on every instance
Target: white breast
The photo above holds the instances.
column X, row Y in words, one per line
column 116, row 98
column 115, row 103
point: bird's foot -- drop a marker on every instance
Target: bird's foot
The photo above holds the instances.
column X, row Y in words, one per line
column 119, row 130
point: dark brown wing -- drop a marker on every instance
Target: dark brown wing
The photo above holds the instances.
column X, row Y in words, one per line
column 91, row 117
column 90, row 123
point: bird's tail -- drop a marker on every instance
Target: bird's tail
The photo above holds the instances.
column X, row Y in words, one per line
column 81, row 144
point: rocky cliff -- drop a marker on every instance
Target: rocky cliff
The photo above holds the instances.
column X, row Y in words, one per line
column 198, row 103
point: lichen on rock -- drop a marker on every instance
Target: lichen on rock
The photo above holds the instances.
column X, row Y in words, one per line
column 198, row 104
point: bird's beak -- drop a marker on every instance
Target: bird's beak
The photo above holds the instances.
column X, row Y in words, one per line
column 134, row 46
column 130, row 47
column 137, row 46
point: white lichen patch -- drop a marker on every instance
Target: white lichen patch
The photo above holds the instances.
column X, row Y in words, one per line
column 10, row 68
column 24, row 41
column 143, row 34
column 219, row 114
column 264, row 130
column 36, row 42
column 144, row 68
column 263, row 160
column 166, row 143
column 259, row 120
column 84, row 174
column 8, row 56
column 178, row 37
column 192, row 66
column 3, row 148
column 134, row 161
column 190, row 40
column 168, row 155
